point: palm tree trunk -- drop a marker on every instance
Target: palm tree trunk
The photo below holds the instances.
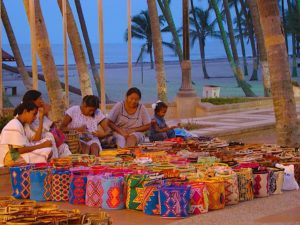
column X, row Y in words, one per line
column 44, row 51
column 201, row 42
column 158, row 51
column 151, row 56
column 252, row 41
column 14, row 47
column 252, row 4
column 294, row 71
column 238, row 19
column 231, row 38
column 202, row 54
column 88, row 45
column 165, row 8
column 283, row 97
column 84, row 77
column 241, row 82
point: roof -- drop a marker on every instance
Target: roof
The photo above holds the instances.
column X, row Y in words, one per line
column 6, row 56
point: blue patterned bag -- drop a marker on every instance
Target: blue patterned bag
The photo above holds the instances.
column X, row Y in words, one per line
column 60, row 185
column 78, row 180
column 20, row 181
column 41, row 184
column 150, row 201
column 113, row 192
column 174, row 200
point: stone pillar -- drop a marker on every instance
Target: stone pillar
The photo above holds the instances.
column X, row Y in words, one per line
column 186, row 99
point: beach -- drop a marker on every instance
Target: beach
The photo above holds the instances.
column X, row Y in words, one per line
column 116, row 76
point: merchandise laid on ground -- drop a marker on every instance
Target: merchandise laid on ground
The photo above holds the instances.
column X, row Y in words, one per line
column 175, row 178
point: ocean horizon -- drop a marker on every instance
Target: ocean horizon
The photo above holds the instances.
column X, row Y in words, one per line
column 118, row 52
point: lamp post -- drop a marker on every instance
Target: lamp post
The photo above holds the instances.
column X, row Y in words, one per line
column 186, row 89
column 186, row 99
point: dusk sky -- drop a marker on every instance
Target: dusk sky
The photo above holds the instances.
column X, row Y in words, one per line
column 115, row 18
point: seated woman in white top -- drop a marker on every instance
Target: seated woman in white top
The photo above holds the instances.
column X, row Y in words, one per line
column 15, row 147
column 43, row 127
column 85, row 119
column 129, row 119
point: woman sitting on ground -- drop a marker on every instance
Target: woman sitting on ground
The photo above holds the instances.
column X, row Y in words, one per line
column 15, row 147
column 43, row 127
column 85, row 119
column 129, row 119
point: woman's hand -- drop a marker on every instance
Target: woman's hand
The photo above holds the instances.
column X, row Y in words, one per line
column 82, row 129
column 46, row 144
column 124, row 133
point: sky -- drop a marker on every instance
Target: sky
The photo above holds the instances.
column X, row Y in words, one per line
column 115, row 18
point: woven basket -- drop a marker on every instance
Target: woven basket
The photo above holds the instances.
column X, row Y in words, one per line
column 73, row 141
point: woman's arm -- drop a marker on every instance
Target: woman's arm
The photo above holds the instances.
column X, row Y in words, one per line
column 27, row 149
column 38, row 133
column 117, row 129
column 104, row 131
column 140, row 129
column 68, row 119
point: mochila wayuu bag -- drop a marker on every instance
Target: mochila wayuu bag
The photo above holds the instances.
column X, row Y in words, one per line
column 20, row 181
column 41, row 184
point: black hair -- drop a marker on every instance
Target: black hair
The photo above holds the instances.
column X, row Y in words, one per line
column 134, row 90
column 159, row 106
column 28, row 106
column 31, row 95
column 91, row 101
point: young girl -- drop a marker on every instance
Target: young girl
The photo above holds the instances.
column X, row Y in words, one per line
column 85, row 119
column 15, row 146
column 159, row 130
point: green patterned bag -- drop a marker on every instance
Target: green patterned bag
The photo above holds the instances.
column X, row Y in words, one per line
column 135, row 191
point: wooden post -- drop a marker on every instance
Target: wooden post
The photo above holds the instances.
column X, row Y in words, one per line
column 129, row 44
column 1, row 78
column 33, row 44
column 66, row 72
column 101, row 51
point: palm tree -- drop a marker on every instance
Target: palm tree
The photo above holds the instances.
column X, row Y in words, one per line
column 165, row 8
column 201, row 27
column 158, row 51
column 15, row 48
column 141, row 29
column 283, row 97
column 252, row 4
column 83, row 72
column 44, row 52
column 86, row 38
column 250, row 33
column 241, row 82
column 240, row 35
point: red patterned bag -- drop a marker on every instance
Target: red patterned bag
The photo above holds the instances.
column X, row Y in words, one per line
column 199, row 198
column 60, row 185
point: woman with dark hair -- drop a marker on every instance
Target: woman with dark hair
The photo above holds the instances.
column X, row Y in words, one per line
column 43, row 127
column 85, row 119
column 129, row 119
column 15, row 147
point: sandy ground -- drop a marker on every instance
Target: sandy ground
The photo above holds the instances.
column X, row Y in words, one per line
column 116, row 76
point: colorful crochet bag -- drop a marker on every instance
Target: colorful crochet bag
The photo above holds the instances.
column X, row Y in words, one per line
column 216, row 193
column 20, row 181
column 113, row 192
column 41, row 184
column 260, row 182
column 135, row 191
column 245, row 183
column 60, row 185
column 174, row 200
column 199, row 198
column 276, row 180
column 94, row 191
column 78, row 180
column 150, row 201
column 231, row 189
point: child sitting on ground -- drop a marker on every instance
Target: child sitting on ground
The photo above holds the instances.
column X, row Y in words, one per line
column 159, row 130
